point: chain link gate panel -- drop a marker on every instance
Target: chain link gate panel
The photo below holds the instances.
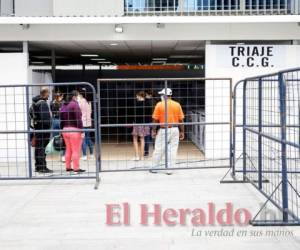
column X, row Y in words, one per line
column 17, row 156
column 206, row 104
column 266, row 143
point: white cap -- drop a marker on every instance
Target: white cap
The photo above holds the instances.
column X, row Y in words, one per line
column 165, row 92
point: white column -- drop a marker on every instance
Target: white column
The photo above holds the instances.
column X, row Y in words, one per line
column 243, row 5
column 181, row 6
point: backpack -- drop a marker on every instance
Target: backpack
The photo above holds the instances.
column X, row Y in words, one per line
column 33, row 114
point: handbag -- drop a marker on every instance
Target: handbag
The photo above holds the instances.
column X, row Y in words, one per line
column 59, row 143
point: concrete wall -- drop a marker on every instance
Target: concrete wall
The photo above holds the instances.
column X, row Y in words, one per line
column 204, row 31
column 34, row 7
column 6, row 7
column 88, row 7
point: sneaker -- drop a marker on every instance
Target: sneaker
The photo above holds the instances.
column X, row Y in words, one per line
column 152, row 171
column 63, row 159
column 136, row 158
column 46, row 171
column 79, row 171
column 146, row 154
column 69, row 170
column 84, row 158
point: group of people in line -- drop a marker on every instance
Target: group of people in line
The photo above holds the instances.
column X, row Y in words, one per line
column 73, row 115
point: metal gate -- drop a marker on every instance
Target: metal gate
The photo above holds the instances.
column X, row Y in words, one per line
column 206, row 104
column 266, row 143
column 16, row 152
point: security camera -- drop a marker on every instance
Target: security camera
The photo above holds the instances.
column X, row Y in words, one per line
column 25, row 26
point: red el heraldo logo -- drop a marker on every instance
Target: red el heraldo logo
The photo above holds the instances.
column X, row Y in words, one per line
column 156, row 215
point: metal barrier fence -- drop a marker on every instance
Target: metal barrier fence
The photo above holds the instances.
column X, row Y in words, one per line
column 266, row 143
column 211, row 7
column 17, row 157
column 126, row 107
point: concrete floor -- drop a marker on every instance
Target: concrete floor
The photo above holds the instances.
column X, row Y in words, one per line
column 71, row 214
column 125, row 151
column 114, row 156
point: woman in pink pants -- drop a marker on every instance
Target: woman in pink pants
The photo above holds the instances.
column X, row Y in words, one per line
column 71, row 119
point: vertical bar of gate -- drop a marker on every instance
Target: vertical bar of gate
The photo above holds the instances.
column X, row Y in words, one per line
column 97, row 114
column 234, row 133
column 231, row 125
column 28, row 133
column 166, row 124
column 244, row 129
column 282, row 96
column 260, row 131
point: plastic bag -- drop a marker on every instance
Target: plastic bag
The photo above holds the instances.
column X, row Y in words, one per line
column 50, row 148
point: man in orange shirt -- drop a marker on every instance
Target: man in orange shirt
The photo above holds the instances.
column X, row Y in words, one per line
column 175, row 130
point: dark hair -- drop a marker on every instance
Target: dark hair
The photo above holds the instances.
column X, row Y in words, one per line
column 141, row 93
column 70, row 96
column 58, row 94
column 149, row 92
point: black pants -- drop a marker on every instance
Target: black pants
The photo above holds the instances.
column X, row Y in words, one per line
column 42, row 140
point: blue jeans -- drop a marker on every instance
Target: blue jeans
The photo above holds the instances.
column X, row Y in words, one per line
column 56, row 125
column 87, row 142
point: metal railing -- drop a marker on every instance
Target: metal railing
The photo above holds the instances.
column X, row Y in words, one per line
column 19, row 159
column 211, row 7
column 266, row 143
column 206, row 104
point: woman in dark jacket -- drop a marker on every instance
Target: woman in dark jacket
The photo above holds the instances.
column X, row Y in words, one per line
column 139, row 132
column 71, row 119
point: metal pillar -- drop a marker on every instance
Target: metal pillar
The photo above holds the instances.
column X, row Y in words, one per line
column 260, row 131
column 282, row 96
column 28, row 134
column 166, row 124
column 83, row 72
column 244, row 130
column 53, row 65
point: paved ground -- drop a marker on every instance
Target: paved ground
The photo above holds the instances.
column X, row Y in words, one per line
column 71, row 214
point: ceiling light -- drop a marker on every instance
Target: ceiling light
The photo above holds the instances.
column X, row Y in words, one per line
column 159, row 59
column 118, row 28
column 113, row 44
column 160, row 25
column 49, row 57
column 25, row 26
column 104, row 62
column 37, row 62
column 98, row 59
column 186, row 56
column 159, row 62
column 10, row 49
column 89, row 55
column 42, row 57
